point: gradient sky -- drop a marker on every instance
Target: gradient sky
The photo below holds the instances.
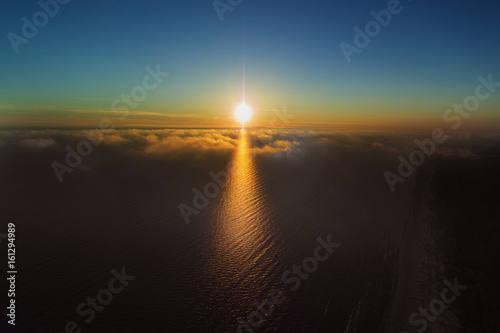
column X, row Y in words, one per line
column 91, row 52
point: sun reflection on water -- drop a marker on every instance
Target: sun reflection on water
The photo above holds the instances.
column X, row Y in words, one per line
column 243, row 260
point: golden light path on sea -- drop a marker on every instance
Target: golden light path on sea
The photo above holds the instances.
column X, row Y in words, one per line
column 244, row 254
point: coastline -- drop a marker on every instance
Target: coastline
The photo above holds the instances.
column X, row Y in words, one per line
column 418, row 265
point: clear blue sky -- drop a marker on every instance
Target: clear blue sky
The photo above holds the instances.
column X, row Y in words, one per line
column 92, row 51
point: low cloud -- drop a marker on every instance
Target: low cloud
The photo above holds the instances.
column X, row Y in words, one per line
column 37, row 143
column 176, row 157
column 456, row 152
column 209, row 144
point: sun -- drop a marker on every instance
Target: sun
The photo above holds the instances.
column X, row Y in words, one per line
column 243, row 113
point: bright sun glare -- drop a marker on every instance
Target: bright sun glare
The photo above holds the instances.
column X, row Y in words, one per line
column 243, row 113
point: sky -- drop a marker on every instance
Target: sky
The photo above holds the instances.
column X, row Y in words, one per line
column 287, row 53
